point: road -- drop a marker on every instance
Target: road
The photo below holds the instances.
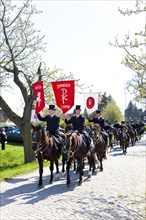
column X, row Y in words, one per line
column 117, row 193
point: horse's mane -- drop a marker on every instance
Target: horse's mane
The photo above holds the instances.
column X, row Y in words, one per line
column 45, row 136
column 77, row 139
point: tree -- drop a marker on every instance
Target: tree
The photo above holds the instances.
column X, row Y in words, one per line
column 19, row 45
column 112, row 112
column 132, row 112
column 103, row 100
column 135, row 54
column 21, row 65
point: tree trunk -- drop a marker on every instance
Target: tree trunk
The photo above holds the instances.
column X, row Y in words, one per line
column 28, row 151
column 24, row 125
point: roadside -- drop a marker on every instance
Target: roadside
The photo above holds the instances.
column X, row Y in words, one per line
column 116, row 193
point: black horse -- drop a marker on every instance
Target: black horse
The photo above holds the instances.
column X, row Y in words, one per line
column 46, row 149
column 100, row 144
column 124, row 140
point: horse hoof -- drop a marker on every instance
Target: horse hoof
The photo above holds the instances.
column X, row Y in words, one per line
column 89, row 175
column 57, row 176
column 51, row 181
column 79, row 183
column 40, row 186
column 63, row 174
column 68, row 183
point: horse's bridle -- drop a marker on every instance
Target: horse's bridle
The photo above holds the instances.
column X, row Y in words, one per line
column 40, row 145
column 70, row 152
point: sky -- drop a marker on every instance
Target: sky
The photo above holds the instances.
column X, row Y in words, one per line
column 78, row 33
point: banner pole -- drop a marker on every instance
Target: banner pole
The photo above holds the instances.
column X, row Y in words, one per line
column 64, row 126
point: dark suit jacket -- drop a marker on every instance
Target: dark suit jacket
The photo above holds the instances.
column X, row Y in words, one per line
column 99, row 121
column 77, row 123
column 52, row 123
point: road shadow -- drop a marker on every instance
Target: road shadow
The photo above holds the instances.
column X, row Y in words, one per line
column 28, row 190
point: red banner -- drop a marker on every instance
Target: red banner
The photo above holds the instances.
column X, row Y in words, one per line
column 64, row 93
column 39, row 95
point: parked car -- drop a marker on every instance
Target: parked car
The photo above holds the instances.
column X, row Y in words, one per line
column 15, row 136
column 7, row 128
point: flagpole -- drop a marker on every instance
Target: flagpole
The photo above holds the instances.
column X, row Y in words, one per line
column 64, row 126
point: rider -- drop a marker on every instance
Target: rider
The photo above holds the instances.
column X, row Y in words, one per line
column 125, row 127
column 53, row 126
column 78, row 121
column 99, row 120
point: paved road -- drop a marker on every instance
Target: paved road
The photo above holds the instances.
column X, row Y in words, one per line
column 117, row 193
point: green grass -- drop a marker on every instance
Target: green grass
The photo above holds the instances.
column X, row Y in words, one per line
column 12, row 162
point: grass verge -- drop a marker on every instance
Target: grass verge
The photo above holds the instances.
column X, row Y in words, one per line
column 12, row 162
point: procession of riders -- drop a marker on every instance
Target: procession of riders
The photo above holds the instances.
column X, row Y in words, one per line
column 76, row 141
column 111, row 133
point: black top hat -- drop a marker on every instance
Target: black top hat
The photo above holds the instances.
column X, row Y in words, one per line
column 98, row 111
column 78, row 107
column 51, row 107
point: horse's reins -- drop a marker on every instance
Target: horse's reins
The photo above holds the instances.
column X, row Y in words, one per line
column 40, row 147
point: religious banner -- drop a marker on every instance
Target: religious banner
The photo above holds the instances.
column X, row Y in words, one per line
column 64, row 92
column 91, row 102
column 39, row 95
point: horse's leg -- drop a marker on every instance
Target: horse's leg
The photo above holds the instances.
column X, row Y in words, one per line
column 75, row 165
column 40, row 183
column 78, row 166
column 63, row 166
column 51, row 170
column 80, row 171
column 57, row 169
column 100, row 160
column 90, row 165
column 68, row 171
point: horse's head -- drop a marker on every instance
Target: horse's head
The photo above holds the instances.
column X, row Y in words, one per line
column 73, row 142
column 96, row 131
column 96, row 127
column 39, row 136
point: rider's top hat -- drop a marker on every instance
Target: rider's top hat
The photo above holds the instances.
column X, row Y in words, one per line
column 78, row 107
column 98, row 111
column 52, row 107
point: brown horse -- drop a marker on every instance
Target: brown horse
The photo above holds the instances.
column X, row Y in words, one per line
column 124, row 140
column 132, row 134
column 46, row 149
column 75, row 149
column 116, row 135
column 100, row 144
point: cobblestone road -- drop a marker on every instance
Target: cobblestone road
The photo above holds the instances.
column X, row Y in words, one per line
column 117, row 193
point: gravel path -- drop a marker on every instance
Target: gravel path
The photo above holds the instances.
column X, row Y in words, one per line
column 117, row 193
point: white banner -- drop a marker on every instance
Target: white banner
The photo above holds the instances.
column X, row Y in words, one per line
column 91, row 102
column 34, row 118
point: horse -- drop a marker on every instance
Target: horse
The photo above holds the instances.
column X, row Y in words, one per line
column 46, row 149
column 75, row 149
column 124, row 140
column 116, row 135
column 100, row 144
column 132, row 134
column 111, row 139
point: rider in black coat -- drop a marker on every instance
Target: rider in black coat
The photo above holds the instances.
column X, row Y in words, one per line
column 53, row 125
column 78, row 124
column 99, row 120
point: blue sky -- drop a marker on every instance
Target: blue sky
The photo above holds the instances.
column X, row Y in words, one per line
column 78, row 35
